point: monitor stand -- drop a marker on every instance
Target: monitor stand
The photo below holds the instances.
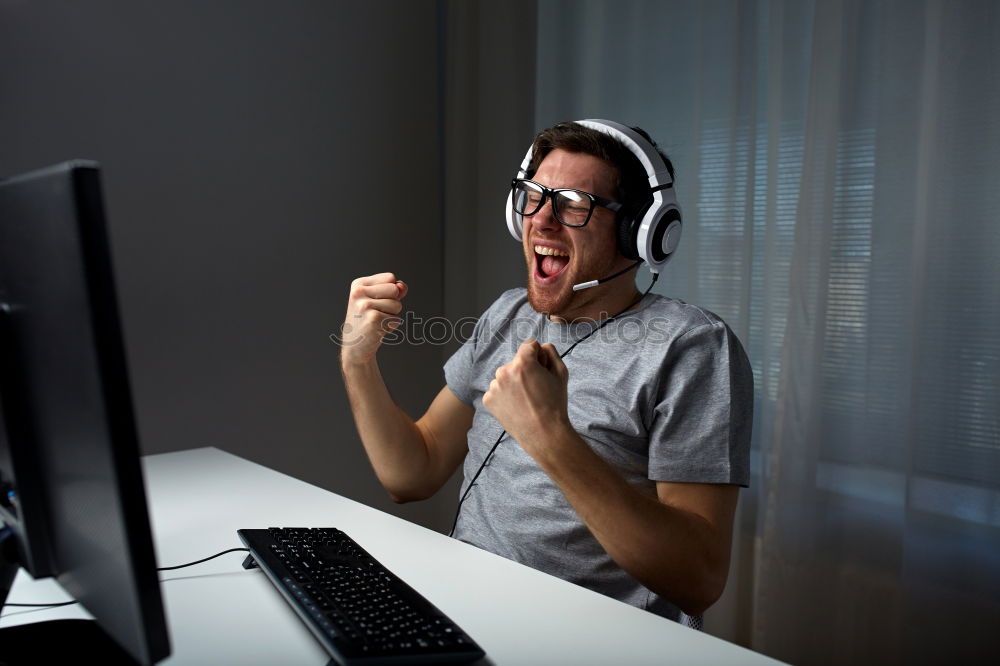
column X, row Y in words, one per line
column 60, row 642
column 52, row 641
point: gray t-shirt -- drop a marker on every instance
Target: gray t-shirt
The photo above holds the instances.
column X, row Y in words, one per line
column 662, row 393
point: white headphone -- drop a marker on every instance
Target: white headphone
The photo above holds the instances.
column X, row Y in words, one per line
column 651, row 232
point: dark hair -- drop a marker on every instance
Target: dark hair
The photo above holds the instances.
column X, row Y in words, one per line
column 631, row 181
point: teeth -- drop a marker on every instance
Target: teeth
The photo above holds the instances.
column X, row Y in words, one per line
column 551, row 251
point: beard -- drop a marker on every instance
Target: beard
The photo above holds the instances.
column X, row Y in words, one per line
column 547, row 302
column 561, row 300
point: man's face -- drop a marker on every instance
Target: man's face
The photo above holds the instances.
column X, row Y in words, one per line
column 559, row 256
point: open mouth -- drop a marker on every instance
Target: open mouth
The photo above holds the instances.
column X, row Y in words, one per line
column 550, row 262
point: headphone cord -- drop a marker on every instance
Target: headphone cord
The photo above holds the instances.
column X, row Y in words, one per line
column 179, row 566
column 489, row 455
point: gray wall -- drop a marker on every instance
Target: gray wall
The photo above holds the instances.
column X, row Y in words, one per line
column 256, row 157
column 489, row 124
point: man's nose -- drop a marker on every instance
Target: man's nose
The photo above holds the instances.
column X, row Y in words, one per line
column 545, row 218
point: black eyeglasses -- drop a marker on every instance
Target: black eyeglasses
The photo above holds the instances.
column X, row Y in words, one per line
column 571, row 207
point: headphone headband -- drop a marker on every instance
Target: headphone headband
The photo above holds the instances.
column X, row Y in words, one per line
column 652, row 162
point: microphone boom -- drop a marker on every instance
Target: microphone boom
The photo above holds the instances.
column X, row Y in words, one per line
column 593, row 283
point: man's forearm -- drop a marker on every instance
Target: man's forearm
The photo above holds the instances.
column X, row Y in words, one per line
column 392, row 440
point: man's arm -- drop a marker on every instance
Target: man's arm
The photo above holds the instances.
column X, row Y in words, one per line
column 676, row 544
column 411, row 459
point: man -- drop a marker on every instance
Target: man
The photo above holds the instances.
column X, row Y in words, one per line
column 621, row 465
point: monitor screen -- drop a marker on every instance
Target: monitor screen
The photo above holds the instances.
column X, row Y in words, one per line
column 73, row 501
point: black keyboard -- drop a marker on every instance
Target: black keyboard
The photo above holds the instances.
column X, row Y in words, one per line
column 359, row 610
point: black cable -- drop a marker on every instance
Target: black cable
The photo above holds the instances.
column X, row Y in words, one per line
column 489, row 455
column 179, row 566
column 211, row 557
column 479, row 471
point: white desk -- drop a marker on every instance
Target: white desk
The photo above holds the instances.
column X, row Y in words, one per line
column 219, row 613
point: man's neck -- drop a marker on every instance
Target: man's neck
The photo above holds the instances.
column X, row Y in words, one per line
column 616, row 299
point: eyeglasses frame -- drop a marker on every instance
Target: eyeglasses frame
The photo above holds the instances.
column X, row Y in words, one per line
column 548, row 194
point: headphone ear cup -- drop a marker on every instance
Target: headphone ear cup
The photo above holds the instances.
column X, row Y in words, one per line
column 629, row 220
column 514, row 221
column 664, row 236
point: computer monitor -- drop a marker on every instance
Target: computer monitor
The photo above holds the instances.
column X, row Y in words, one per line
column 73, row 502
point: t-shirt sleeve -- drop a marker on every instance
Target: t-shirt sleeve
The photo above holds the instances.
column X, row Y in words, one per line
column 458, row 370
column 704, row 410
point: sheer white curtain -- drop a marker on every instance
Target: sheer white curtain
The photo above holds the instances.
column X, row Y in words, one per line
column 839, row 167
